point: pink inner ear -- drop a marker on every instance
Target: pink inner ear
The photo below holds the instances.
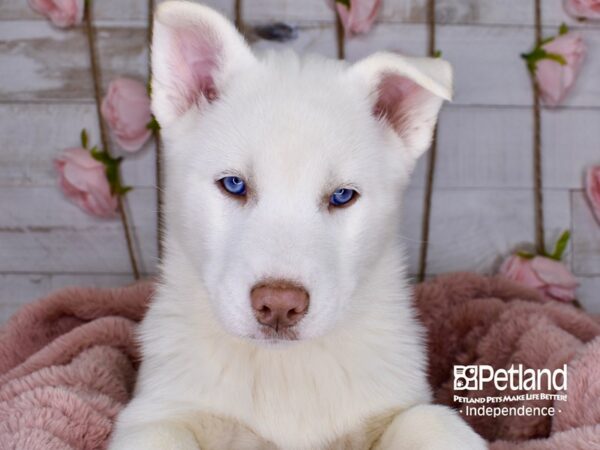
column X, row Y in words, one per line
column 397, row 99
column 194, row 61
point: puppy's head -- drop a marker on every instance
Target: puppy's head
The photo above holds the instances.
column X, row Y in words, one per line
column 284, row 175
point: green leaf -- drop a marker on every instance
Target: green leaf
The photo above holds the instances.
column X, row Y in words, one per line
column 97, row 154
column 149, row 87
column 122, row 190
column 111, row 169
column 538, row 54
column 561, row 245
column 153, row 125
column 437, row 54
column 547, row 40
column 532, row 58
column 84, row 138
column 556, row 57
column 525, row 254
column 564, row 29
column 112, row 173
column 346, row 3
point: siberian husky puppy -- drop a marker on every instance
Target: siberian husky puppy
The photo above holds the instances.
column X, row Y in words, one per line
column 283, row 319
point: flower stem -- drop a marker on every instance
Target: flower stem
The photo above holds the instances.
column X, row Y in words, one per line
column 537, row 145
column 432, row 158
column 340, row 36
column 158, row 145
column 90, row 32
column 237, row 9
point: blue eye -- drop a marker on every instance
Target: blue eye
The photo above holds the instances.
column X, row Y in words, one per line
column 342, row 197
column 234, row 185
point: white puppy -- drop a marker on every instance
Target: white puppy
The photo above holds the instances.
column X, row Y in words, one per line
column 283, row 319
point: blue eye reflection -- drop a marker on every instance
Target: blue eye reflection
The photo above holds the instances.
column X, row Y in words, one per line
column 342, row 196
column 234, row 185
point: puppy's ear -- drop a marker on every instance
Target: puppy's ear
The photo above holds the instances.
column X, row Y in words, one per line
column 407, row 93
column 195, row 52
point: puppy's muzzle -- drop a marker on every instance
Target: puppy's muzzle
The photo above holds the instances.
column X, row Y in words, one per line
column 279, row 304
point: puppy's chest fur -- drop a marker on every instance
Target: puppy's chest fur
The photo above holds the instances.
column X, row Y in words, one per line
column 335, row 393
column 217, row 433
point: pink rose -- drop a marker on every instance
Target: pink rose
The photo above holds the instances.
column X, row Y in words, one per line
column 359, row 17
column 592, row 190
column 550, row 277
column 583, row 9
column 555, row 79
column 62, row 13
column 126, row 109
column 83, row 180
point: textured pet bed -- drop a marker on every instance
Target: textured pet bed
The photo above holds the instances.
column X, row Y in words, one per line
column 68, row 362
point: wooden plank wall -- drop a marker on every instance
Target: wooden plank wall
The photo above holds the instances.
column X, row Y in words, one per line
column 482, row 202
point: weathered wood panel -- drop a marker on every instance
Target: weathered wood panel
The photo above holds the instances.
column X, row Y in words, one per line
column 34, row 134
column 588, row 294
column 475, row 229
column 266, row 11
column 480, row 147
column 571, row 142
column 41, row 63
column 43, row 232
column 483, row 202
column 18, row 289
column 490, row 147
column 586, row 91
column 486, row 59
column 490, row 12
column 311, row 38
column 410, row 39
column 481, row 12
column 104, row 11
column 488, row 73
column 484, row 147
column 554, row 14
column 38, row 62
column 487, row 67
column 586, row 237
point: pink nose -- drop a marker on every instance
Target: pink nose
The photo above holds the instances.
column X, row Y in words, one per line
column 279, row 304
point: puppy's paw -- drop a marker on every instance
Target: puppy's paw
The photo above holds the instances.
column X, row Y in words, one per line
column 430, row 427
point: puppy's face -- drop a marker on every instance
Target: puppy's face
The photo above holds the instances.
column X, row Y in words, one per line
column 284, row 176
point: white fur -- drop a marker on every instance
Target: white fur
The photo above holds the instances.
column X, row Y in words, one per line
column 296, row 130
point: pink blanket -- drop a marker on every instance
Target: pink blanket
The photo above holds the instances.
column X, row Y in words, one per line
column 67, row 367
column 68, row 362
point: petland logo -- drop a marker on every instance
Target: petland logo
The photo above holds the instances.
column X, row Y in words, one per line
column 517, row 402
column 475, row 378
